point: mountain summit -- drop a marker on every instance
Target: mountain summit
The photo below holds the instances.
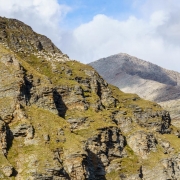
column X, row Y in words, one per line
column 20, row 38
column 148, row 80
column 60, row 120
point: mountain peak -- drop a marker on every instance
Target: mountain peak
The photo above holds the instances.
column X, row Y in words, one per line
column 123, row 62
column 144, row 78
column 20, row 38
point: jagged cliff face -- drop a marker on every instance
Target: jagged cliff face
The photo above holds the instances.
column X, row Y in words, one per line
column 147, row 80
column 60, row 120
column 20, row 38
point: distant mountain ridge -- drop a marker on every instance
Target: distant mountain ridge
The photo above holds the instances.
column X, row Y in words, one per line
column 146, row 79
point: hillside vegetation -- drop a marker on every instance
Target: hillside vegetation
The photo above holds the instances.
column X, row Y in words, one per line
column 60, row 120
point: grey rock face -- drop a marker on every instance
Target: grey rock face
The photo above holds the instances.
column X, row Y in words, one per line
column 125, row 123
column 11, row 61
column 97, row 159
column 109, row 144
column 142, row 143
column 166, row 146
column 3, row 138
column 159, row 121
column 25, row 89
column 20, row 38
column 46, row 137
column 7, row 170
column 75, row 123
column 167, row 169
column 23, row 130
column 33, row 40
column 11, row 70
column 166, row 122
column 97, row 85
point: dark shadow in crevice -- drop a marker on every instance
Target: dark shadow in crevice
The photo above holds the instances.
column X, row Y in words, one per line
column 173, row 169
column 141, row 172
column 59, row 103
column 9, row 138
column 95, row 167
column 39, row 46
column 28, row 86
column 15, row 173
column 25, row 91
column 99, row 93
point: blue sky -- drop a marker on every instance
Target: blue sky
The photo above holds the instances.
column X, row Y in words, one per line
column 84, row 10
column 87, row 30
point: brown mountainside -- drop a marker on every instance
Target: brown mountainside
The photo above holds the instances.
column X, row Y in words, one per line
column 60, row 120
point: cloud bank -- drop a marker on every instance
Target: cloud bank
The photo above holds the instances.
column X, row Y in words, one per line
column 152, row 34
column 155, row 39
column 44, row 16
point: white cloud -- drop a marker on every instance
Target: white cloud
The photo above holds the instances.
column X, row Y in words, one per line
column 153, row 35
column 154, row 38
column 44, row 16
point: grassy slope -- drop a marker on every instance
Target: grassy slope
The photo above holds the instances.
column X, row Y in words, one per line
column 45, row 122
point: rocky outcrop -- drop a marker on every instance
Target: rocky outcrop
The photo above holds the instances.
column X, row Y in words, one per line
column 3, row 138
column 102, row 149
column 20, row 38
column 75, row 166
column 11, row 70
column 60, row 120
column 142, row 143
column 124, row 123
column 76, row 123
column 160, row 121
column 95, row 84
column 7, row 170
column 166, row 146
column 166, row 122
column 23, row 130
column 167, row 169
